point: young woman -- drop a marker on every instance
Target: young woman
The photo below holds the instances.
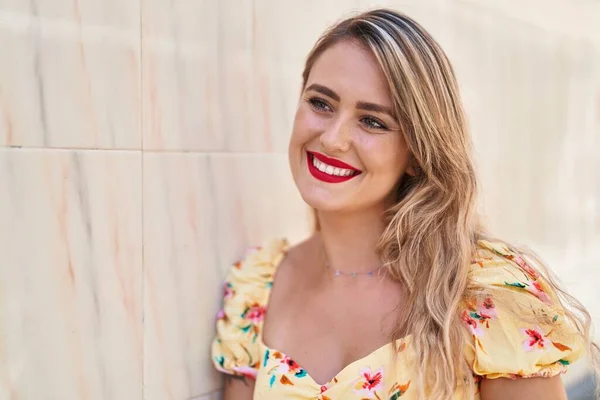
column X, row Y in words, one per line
column 399, row 292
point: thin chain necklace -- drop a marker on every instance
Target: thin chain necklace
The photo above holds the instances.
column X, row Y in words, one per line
column 337, row 272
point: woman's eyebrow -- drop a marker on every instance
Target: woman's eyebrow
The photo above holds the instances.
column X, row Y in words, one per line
column 324, row 90
column 361, row 105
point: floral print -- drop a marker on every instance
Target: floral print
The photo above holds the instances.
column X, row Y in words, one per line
column 524, row 266
column 471, row 323
column 532, row 279
column 398, row 390
column 536, row 289
column 253, row 315
column 285, row 368
column 535, row 339
column 228, row 291
column 369, row 383
column 248, row 371
column 479, row 315
column 501, row 279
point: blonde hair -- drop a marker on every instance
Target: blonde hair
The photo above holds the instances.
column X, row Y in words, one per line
column 433, row 228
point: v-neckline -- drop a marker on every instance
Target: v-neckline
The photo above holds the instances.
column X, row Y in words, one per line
column 328, row 384
column 283, row 254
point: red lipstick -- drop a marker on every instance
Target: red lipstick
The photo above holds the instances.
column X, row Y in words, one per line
column 325, row 177
column 332, row 161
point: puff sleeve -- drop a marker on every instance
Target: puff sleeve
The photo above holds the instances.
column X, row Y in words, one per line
column 236, row 347
column 516, row 325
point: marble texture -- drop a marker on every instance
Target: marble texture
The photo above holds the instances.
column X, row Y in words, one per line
column 257, row 201
column 228, row 84
column 576, row 19
column 200, row 213
column 111, row 261
column 70, row 275
column 74, row 77
column 210, row 396
column 107, row 13
column 182, row 276
column 181, row 76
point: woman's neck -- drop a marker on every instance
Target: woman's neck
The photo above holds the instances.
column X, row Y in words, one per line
column 349, row 240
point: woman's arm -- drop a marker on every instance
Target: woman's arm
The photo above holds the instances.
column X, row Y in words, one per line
column 523, row 389
column 238, row 388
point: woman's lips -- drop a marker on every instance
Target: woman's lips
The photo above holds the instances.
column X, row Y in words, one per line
column 332, row 161
column 347, row 171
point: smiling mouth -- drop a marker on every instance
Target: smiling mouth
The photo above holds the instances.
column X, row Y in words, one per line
column 329, row 170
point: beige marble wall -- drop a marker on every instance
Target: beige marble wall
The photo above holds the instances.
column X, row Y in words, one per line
column 142, row 147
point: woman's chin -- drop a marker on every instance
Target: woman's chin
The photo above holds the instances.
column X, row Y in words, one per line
column 324, row 201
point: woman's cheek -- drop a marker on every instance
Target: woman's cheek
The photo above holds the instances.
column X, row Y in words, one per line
column 313, row 122
column 383, row 155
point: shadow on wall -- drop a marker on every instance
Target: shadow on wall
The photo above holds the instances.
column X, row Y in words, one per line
column 582, row 389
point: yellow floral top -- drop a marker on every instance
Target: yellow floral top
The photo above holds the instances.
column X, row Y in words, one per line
column 502, row 344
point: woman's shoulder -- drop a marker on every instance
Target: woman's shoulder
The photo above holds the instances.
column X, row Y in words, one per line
column 235, row 348
column 517, row 324
column 496, row 263
column 265, row 254
column 250, row 278
column 258, row 263
column 510, row 280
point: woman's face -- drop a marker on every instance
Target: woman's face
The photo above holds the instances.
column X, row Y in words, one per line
column 347, row 152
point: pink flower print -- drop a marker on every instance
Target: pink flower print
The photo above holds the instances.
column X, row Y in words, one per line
column 524, row 266
column 326, row 387
column 536, row 289
column 221, row 314
column 249, row 372
column 471, row 323
column 287, row 365
column 228, row 290
column 369, row 383
column 487, row 310
column 535, row 339
column 255, row 313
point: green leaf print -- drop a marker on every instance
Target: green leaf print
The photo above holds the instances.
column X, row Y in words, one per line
column 516, row 284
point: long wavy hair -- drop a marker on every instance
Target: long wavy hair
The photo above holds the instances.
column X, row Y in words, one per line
column 433, row 228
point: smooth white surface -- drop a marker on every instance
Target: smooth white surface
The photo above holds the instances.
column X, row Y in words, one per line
column 111, row 261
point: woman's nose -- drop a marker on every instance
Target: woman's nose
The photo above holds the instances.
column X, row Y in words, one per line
column 336, row 138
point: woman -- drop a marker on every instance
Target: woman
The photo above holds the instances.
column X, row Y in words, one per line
column 399, row 292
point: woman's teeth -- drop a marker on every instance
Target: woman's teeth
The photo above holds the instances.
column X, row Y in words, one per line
column 329, row 170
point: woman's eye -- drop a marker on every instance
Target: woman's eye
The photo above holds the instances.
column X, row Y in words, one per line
column 318, row 104
column 373, row 123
